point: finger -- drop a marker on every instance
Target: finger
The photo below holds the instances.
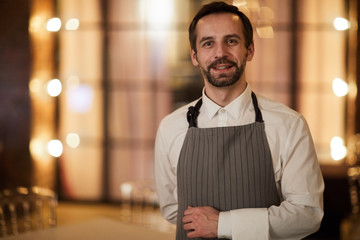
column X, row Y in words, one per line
column 189, row 210
column 189, row 227
column 193, row 234
column 187, row 219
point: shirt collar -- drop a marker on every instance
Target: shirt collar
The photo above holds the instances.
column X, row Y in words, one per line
column 235, row 109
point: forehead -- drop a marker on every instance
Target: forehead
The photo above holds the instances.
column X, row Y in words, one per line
column 219, row 24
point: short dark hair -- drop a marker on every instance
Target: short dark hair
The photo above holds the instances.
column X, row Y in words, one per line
column 220, row 7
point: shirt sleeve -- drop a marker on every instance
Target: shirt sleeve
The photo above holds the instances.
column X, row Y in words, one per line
column 249, row 223
column 301, row 184
column 165, row 179
column 302, row 187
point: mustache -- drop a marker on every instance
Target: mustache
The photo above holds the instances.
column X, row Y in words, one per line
column 221, row 61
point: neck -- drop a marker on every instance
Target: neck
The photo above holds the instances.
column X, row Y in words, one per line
column 224, row 95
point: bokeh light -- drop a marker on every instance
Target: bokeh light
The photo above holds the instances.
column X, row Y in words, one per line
column 55, row 148
column 53, row 25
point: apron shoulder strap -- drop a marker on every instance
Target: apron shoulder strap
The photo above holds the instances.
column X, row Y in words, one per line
column 193, row 113
column 258, row 114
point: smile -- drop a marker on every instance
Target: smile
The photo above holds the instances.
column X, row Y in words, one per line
column 222, row 67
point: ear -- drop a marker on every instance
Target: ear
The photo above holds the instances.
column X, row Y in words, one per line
column 194, row 58
column 251, row 51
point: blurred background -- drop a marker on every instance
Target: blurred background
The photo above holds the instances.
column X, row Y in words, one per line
column 85, row 83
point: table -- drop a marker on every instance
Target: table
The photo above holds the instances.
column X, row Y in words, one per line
column 95, row 229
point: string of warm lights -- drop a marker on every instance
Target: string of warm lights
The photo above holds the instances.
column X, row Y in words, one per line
column 338, row 149
column 40, row 144
column 341, row 89
column 54, row 24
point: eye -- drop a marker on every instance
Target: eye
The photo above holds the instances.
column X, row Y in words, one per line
column 231, row 41
column 207, row 44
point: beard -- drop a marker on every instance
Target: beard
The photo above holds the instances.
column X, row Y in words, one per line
column 224, row 80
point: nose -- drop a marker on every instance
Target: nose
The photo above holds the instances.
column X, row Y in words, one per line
column 220, row 51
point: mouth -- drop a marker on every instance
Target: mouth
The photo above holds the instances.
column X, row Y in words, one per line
column 222, row 65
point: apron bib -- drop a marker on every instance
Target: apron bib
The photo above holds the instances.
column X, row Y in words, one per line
column 225, row 167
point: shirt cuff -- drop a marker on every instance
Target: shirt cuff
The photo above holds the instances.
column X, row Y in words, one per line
column 224, row 225
column 250, row 223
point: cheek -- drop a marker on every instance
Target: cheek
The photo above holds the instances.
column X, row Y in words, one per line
column 204, row 59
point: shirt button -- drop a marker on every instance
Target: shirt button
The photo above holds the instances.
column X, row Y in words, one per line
column 222, row 111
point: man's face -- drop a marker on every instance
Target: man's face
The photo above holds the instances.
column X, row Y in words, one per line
column 221, row 53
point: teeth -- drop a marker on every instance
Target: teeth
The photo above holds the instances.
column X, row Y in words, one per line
column 223, row 67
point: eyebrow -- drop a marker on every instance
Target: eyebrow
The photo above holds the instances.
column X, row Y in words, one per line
column 205, row 39
column 233, row 35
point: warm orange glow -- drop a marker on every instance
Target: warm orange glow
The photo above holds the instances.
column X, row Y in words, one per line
column 157, row 13
column 338, row 150
column 53, row 25
column 35, row 86
column 341, row 24
column 340, row 87
column 42, row 106
column 73, row 140
column 265, row 32
column 37, row 23
column 55, row 148
column 54, row 87
column 239, row 3
column 72, row 24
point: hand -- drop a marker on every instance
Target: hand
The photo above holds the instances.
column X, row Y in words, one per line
column 201, row 222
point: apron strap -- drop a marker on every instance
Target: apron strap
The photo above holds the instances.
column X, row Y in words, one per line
column 193, row 111
column 258, row 114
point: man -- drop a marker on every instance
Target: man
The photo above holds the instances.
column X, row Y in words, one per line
column 235, row 165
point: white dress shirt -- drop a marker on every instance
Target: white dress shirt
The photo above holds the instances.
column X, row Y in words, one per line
column 297, row 172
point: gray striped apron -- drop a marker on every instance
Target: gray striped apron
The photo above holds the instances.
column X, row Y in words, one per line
column 225, row 167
